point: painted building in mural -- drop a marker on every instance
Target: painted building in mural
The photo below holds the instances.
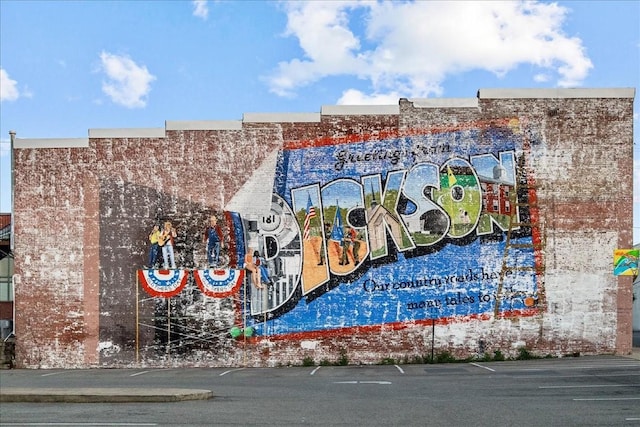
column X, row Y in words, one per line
column 365, row 232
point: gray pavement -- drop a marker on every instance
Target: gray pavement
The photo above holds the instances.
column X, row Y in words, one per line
column 119, row 394
column 570, row 391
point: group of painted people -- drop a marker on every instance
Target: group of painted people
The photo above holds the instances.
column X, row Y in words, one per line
column 163, row 241
column 350, row 245
column 350, row 241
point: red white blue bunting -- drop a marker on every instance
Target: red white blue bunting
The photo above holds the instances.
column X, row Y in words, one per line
column 219, row 283
column 163, row 283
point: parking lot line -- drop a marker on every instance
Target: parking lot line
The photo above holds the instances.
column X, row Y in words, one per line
column 477, row 365
column 314, row 371
column 231, row 370
column 138, row 373
column 52, row 373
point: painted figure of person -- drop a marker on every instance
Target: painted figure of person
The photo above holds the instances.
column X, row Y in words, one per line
column 154, row 236
column 261, row 263
column 346, row 244
column 215, row 241
column 166, row 241
column 355, row 244
column 323, row 248
column 351, row 245
column 250, row 265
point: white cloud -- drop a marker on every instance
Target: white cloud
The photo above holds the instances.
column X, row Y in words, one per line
column 411, row 47
column 541, row 78
column 128, row 83
column 356, row 97
column 200, row 9
column 8, row 87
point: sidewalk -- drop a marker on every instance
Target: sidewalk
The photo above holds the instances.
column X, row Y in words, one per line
column 101, row 395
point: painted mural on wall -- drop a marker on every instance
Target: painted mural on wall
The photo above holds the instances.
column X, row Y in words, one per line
column 625, row 262
column 369, row 232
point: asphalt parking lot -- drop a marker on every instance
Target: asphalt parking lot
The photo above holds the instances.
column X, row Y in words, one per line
column 583, row 391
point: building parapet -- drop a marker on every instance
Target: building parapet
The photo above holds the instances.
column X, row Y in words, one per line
column 359, row 110
column 557, row 93
column 127, row 133
column 326, row 110
column 444, row 102
column 51, row 143
column 203, row 125
column 281, row 118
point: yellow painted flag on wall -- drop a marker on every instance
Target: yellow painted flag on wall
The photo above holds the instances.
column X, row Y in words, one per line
column 451, row 177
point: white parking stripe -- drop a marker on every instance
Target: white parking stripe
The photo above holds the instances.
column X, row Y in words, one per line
column 231, row 370
column 483, row 367
column 52, row 373
column 314, row 371
column 138, row 373
column 399, row 369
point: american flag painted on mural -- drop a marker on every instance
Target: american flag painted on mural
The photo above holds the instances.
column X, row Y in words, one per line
column 311, row 212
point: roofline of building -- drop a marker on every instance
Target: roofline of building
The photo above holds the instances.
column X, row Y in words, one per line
column 557, row 93
column 51, row 143
column 326, row 110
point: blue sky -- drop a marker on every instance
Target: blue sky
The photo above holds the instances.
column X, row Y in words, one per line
column 66, row 67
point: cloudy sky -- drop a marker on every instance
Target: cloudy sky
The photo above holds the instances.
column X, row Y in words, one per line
column 66, row 67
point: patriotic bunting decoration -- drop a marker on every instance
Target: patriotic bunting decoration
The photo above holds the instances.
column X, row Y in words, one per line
column 219, row 283
column 163, row 283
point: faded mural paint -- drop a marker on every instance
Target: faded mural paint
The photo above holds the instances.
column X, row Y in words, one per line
column 372, row 233
column 461, row 227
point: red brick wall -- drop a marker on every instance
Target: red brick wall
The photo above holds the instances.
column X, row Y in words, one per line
column 82, row 216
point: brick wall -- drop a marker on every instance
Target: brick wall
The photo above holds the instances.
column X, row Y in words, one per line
column 84, row 209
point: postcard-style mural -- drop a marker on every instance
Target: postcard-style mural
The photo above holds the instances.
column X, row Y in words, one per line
column 382, row 231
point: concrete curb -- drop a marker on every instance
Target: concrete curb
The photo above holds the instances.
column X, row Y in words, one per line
column 101, row 395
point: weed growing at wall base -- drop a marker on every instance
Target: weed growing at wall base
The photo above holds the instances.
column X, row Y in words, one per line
column 442, row 357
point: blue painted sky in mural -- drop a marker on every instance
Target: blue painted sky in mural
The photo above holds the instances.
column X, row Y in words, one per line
column 70, row 66
column 449, row 278
column 368, row 301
